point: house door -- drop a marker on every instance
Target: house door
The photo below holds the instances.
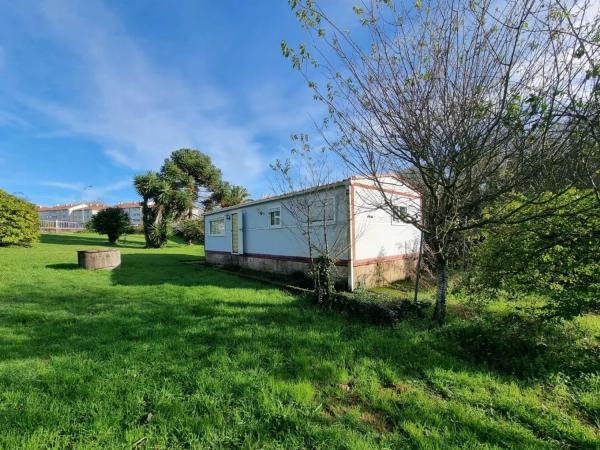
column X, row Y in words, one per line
column 237, row 233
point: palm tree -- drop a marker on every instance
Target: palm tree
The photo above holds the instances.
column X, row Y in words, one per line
column 167, row 202
column 174, row 190
column 227, row 195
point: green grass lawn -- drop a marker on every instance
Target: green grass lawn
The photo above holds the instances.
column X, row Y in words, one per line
column 186, row 356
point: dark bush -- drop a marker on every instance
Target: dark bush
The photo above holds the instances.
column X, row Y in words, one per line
column 523, row 345
column 113, row 222
column 192, row 230
column 19, row 221
column 375, row 309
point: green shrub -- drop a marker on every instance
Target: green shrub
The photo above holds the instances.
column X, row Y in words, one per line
column 192, row 230
column 113, row 222
column 323, row 278
column 555, row 255
column 19, row 221
column 521, row 344
column 374, row 309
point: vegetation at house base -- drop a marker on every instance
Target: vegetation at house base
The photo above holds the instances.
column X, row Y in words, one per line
column 557, row 255
column 312, row 214
column 19, row 221
column 114, row 222
column 171, row 194
column 468, row 101
column 178, row 354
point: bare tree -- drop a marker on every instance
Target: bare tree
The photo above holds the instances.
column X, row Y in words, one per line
column 308, row 174
column 469, row 100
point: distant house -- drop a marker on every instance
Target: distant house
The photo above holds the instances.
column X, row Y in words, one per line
column 75, row 212
column 373, row 247
column 133, row 210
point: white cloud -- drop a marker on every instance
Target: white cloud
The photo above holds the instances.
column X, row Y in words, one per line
column 88, row 191
column 61, row 185
column 12, row 120
column 121, row 158
column 139, row 112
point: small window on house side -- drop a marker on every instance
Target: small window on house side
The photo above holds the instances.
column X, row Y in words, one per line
column 216, row 227
column 275, row 217
column 399, row 212
column 322, row 209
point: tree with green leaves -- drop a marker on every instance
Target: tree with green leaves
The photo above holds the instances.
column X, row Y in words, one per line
column 226, row 195
column 114, row 222
column 473, row 100
column 192, row 230
column 156, row 222
column 193, row 171
column 19, row 221
column 556, row 255
column 173, row 193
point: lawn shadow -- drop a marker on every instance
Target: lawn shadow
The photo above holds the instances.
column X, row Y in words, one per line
column 153, row 269
column 168, row 336
column 63, row 266
column 74, row 239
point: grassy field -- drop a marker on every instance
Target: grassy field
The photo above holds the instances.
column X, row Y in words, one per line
column 168, row 353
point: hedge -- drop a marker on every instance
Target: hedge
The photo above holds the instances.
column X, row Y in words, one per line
column 19, row 221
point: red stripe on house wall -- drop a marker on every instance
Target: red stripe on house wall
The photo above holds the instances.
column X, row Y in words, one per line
column 303, row 259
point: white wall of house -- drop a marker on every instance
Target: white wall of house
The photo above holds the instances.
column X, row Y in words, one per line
column 377, row 234
column 286, row 237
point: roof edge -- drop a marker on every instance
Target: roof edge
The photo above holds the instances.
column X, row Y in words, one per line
column 336, row 184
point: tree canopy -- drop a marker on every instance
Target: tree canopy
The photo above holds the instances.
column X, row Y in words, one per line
column 19, row 221
column 557, row 254
column 187, row 180
column 114, row 222
column 471, row 101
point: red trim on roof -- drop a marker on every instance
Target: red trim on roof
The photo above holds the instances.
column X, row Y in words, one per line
column 88, row 206
column 389, row 191
column 128, row 205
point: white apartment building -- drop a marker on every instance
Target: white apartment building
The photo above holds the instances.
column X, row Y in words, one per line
column 83, row 212
column 76, row 212
column 133, row 210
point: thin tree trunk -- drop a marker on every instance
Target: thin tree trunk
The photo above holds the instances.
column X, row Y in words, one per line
column 439, row 314
column 419, row 261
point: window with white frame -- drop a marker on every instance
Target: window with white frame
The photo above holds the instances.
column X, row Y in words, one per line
column 322, row 210
column 398, row 214
column 275, row 217
column 216, row 227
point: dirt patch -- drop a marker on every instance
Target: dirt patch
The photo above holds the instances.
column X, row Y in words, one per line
column 376, row 420
column 397, row 389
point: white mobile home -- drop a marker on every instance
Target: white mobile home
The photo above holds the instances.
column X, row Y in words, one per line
column 349, row 217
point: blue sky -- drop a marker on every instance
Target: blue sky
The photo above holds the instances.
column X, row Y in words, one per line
column 93, row 92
